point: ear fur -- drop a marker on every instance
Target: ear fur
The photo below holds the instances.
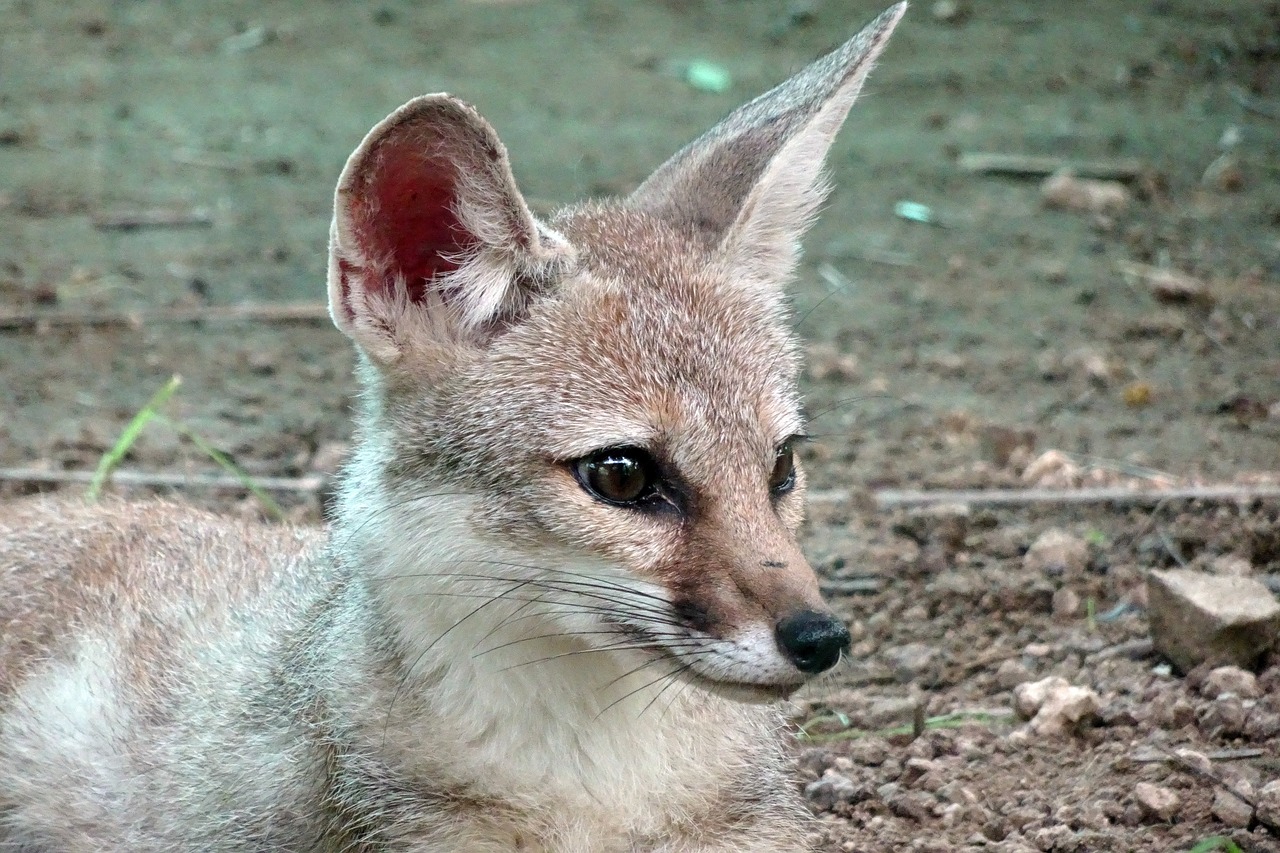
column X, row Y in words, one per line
column 430, row 236
column 750, row 186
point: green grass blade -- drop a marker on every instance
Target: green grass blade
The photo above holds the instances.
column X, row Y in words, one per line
column 112, row 458
column 944, row 721
column 224, row 462
column 1217, row 842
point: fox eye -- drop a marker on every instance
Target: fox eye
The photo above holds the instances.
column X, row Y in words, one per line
column 618, row 475
column 783, row 477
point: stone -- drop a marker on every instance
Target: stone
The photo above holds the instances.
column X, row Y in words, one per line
column 913, row 662
column 1066, row 603
column 1231, row 564
column 1012, row 672
column 1064, row 191
column 1156, row 802
column 1028, row 697
column 1057, row 553
column 1269, row 804
column 1055, row 706
column 1231, row 810
column 834, row 789
column 1230, row 679
column 1223, row 717
column 1216, row 619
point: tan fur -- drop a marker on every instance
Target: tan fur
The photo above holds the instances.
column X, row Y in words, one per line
column 479, row 655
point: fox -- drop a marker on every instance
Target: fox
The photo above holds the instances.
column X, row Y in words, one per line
column 560, row 595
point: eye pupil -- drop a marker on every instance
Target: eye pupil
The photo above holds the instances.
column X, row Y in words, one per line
column 783, row 476
column 620, row 476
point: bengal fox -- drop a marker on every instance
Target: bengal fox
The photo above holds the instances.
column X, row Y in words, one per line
column 561, row 589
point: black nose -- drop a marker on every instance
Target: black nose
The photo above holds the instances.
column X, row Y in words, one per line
column 812, row 641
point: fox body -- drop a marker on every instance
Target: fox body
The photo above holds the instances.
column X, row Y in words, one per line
column 561, row 589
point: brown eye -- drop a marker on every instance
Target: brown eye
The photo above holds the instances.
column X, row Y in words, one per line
column 783, row 477
column 620, row 475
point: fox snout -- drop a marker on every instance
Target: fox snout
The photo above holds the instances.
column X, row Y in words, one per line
column 812, row 641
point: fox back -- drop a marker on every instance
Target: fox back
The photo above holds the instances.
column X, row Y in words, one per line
column 561, row 592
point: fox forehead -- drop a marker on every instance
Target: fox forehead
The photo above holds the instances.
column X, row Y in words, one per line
column 649, row 342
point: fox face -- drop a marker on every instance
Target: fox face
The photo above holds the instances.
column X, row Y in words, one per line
column 608, row 398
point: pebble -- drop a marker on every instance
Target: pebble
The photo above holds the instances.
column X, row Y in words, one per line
column 1224, row 716
column 1066, row 603
column 1231, row 810
column 834, row 789
column 1269, row 804
column 1011, row 673
column 1231, row 564
column 1053, row 469
column 1064, row 191
column 1198, row 760
column 1057, row 553
column 1200, row 618
column 912, row 662
column 1054, row 706
column 1230, row 679
column 1156, row 802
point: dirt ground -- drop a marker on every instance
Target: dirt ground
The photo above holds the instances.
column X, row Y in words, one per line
column 951, row 354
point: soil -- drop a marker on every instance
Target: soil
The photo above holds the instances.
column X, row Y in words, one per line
column 951, row 354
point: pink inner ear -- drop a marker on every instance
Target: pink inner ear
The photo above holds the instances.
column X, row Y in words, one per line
column 405, row 215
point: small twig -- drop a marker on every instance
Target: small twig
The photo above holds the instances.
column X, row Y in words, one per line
column 1131, row 649
column 1154, row 757
column 156, row 217
column 309, row 483
column 1030, row 165
column 893, row 498
column 1191, row 767
column 267, row 312
column 851, row 586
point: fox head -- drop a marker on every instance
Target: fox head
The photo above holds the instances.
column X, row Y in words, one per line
column 608, row 397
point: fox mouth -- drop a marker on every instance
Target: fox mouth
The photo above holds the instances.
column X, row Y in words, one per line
column 687, row 654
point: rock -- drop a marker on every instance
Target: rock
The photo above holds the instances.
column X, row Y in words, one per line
column 869, row 752
column 1066, row 603
column 1053, row 469
column 1224, row 717
column 913, row 662
column 1231, row 564
column 1198, row 760
column 1057, row 552
column 1261, row 724
column 1064, row 191
column 1231, row 810
column 1175, row 288
column 1199, row 618
column 1054, row 705
column 1269, row 804
column 1030, row 696
column 834, row 789
column 1230, row 679
column 1156, row 802
column 1011, row 673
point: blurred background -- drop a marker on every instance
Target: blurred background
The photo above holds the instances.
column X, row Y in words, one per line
column 179, row 155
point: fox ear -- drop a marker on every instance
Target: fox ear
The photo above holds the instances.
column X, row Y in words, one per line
column 751, row 185
column 430, row 235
